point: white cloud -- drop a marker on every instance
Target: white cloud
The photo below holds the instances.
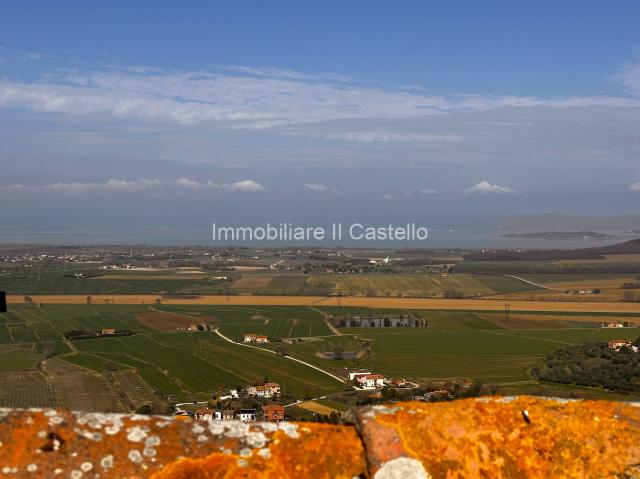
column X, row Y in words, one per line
column 428, row 191
column 320, row 188
column 388, row 197
column 635, row 186
column 317, row 188
column 143, row 185
column 249, row 186
column 630, row 76
column 248, row 98
column 391, row 137
column 484, row 187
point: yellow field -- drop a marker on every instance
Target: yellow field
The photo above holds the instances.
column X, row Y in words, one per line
column 316, row 407
column 357, row 301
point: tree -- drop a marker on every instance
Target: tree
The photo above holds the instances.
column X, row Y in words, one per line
column 89, row 300
column 28, row 300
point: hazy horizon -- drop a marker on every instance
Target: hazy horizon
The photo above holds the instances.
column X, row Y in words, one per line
column 152, row 125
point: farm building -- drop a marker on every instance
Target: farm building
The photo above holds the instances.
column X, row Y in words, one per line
column 255, row 338
column 403, row 321
column 205, row 414
column 268, row 390
column 613, row 324
column 618, row 344
column 273, row 412
column 246, row 415
column 370, row 381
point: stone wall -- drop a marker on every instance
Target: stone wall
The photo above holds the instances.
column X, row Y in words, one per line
column 486, row 437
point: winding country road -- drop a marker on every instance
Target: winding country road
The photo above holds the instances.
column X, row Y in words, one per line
column 274, row 352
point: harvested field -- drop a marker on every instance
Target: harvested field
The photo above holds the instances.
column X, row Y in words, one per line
column 133, row 386
column 25, row 390
column 78, row 389
column 380, row 303
column 316, row 407
column 166, row 321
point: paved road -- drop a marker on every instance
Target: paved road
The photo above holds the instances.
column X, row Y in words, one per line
column 274, row 352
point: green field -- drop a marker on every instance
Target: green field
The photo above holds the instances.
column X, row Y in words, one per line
column 185, row 364
column 27, row 281
column 189, row 365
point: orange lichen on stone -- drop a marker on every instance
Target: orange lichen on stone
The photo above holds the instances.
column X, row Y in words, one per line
column 320, row 451
column 485, row 437
column 502, row 438
column 49, row 443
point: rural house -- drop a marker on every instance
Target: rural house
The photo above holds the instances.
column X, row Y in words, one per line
column 370, row 381
column 268, row 390
column 205, row 414
column 246, row 415
column 618, row 344
column 273, row 412
column 255, row 338
column 612, row 324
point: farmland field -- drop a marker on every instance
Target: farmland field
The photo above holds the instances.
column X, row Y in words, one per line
column 489, row 304
column 160, row 362
column 25, row 281
column 419, row 285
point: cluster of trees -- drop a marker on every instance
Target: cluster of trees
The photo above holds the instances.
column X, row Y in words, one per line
column 629, row 296
column 594, row 365
column 453, row 294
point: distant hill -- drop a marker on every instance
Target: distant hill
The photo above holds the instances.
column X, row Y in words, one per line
column 628, row 247
column 558, row 222
column 559, row 235
column 598, row 252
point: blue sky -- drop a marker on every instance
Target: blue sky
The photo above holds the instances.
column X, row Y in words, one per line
column 387, row 110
